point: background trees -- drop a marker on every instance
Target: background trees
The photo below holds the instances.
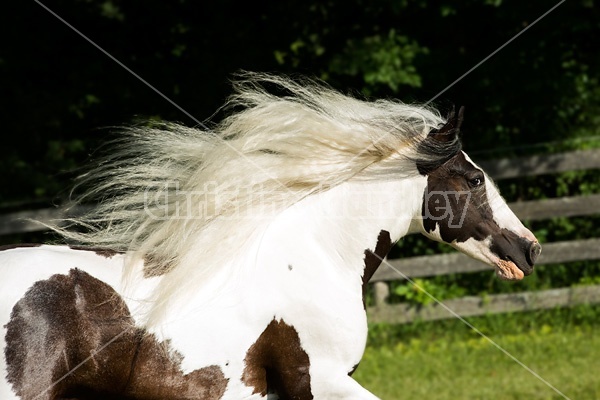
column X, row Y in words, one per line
column 59, row 92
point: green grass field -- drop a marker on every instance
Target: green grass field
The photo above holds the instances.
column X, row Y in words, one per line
column 450, row 361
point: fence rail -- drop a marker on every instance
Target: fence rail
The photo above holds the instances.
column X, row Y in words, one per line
column 458, row 263
column 27, row 221
column 541, row 164
column 471, row 306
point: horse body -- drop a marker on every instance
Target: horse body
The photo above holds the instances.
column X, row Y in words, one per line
column 302, row 284
column 247, row 303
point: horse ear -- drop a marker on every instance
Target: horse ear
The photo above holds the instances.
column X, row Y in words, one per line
column 450, row 130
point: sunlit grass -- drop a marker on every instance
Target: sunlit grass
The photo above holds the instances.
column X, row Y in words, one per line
column 469, row 367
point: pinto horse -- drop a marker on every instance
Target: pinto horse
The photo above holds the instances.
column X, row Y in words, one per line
column 231, row 263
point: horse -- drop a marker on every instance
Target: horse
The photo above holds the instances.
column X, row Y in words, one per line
column 231, row 262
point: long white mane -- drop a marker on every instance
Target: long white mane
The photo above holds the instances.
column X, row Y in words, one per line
column 171, row 195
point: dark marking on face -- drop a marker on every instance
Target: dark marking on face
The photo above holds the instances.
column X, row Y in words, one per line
column 107, row 253
column 68, row 319
column 353, row 370
column 373, row 259
column 276, row 362
column 456, row 202
column 455, row 198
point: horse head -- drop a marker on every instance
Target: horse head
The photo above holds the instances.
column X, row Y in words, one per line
column 462, row 207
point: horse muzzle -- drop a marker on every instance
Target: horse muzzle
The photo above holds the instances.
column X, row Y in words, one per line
column 517, row 255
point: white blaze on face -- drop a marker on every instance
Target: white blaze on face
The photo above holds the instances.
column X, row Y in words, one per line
column 503, row 215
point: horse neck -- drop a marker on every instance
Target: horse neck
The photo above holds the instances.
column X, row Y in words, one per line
column 330, row 231
column 338, row 225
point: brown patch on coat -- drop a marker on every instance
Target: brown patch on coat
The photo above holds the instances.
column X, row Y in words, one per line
column 107, row 253
column 72, row 336
column 353, row 370
column 277, row 362
column 17, row 246
column 373, row 259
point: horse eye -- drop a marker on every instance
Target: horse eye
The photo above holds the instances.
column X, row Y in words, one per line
column 474, row 182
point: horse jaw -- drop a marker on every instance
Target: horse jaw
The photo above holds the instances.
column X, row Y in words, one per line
column 480, row 250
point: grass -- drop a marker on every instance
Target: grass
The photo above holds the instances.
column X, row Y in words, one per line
column 450, row 361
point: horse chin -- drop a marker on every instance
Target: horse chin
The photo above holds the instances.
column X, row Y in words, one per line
column 508, row 271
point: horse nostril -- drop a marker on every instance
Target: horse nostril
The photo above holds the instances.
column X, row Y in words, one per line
column 534, row 251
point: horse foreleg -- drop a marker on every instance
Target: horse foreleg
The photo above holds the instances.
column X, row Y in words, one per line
column 326, row 385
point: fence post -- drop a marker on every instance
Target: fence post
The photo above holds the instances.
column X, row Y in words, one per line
column 381, row 291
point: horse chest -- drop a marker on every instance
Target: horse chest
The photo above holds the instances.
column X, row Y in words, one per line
column 265, row 331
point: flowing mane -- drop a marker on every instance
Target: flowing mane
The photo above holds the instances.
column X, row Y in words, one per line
column 172, row 196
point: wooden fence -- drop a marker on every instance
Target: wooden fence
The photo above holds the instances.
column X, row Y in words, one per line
column 443, row 264
column 552, row 254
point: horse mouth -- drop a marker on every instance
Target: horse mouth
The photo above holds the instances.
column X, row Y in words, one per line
column 507, row 270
